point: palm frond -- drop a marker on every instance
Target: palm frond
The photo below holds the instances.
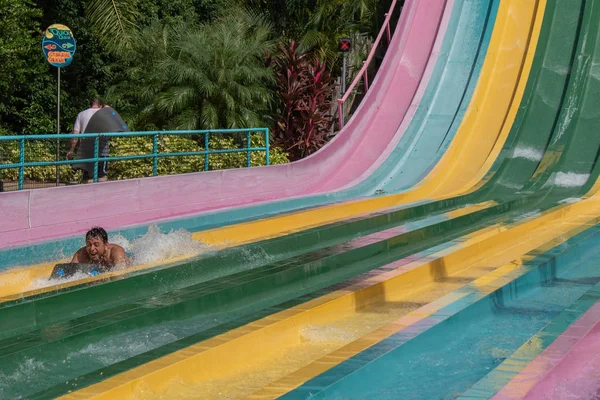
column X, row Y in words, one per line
column 114, row 21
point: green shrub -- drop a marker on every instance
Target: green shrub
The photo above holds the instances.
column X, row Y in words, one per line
column 38, row 150
column 184, row 164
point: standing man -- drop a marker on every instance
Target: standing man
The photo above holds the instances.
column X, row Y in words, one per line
column 81, row 123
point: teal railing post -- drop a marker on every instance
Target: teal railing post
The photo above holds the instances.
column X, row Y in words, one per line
column 249, row 146
column 21, row 162
column 206, row 149
column 155, row 152
column 96, row 147
column 267, row 156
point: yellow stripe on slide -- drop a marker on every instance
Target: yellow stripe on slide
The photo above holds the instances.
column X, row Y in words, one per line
column 235, row 362
column 477, row 143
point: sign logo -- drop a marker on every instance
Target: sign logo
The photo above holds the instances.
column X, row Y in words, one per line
column 59, row 45
column 344, row 44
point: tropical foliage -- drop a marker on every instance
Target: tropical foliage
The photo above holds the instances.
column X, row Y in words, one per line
column 304, row 89
column 210, row 76
column 174, row 64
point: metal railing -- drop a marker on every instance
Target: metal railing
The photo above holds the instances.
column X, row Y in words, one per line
column 202, row 138
column 363, row 74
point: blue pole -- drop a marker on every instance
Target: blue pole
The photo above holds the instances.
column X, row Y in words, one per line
column 22, row 161
column 249, row 146
column 155, row 152
column 96, row 146
column 267, row 156
column 206, row 149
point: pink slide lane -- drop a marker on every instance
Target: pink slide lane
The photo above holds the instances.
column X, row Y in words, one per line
column 36, row 215
column 569, row 369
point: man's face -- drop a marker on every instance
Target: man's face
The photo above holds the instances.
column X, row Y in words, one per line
column 95, row 248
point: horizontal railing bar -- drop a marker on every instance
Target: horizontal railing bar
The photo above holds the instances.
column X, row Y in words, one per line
column 126, row 134
column 135, row 157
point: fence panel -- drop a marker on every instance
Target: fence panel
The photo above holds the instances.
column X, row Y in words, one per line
column 29, row 161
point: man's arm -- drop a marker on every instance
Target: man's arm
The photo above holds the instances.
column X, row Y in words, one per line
column 76, row 128
column 77, row 257
column 119, row 257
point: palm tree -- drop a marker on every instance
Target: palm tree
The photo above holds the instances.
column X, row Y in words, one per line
column 211, row 76
column 114, row 22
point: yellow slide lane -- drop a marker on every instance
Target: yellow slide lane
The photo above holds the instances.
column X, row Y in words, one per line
column 287, row 348
column 477, row 143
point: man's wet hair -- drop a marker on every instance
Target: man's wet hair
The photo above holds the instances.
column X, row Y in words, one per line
column 96, row 102
column 97, row 232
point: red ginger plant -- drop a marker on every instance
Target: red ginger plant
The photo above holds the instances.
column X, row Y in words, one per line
column 305, row 89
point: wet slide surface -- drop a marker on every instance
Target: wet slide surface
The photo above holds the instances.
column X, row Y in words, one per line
column 515, row 249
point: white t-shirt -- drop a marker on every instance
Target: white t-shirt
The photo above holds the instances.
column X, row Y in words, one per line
column 83, row 118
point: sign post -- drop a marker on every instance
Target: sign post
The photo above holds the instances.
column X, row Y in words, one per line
column 344, row 46
column 59, row 47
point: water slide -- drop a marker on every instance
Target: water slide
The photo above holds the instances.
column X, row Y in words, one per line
column 470, row 15
column 453, row 79
column 501, row 232
column 372, row 129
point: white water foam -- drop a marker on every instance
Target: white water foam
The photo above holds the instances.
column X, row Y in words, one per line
column 571, row 108
column 44, row 282
column 121, row 241
column 113, row 349
column 595, row 71
column 570, row 179
column 528, row 153
column 570, row 200
column 510, row 185
column 26, row 371
column 156, row 246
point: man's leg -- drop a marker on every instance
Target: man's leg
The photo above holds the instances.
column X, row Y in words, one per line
column 85, row 178
column 103, row 171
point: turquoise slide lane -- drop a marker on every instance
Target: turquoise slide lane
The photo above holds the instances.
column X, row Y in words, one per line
column 442, row 356
column 427, row 137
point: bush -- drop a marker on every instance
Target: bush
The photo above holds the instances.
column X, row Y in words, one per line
column 305, row 90
column 38, row 150
column 184, row 164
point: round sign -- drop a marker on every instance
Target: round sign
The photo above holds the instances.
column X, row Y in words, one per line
column 59, row 45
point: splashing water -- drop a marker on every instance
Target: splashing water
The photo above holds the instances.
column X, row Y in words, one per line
column 25, row 372
column 153, row 247
column 156, row 246
column 44, row 282
column 121, row 241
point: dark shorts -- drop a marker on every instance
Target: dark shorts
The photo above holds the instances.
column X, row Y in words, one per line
column 102, row 171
